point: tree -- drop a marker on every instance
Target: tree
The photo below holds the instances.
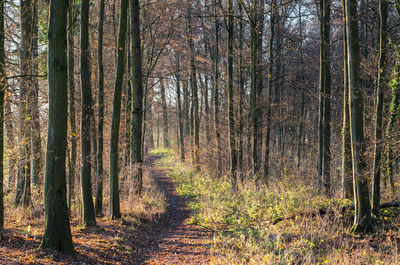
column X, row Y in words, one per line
column 270, row 87
column 347, row 182
column 324, row 135
column 241, row 96
column 34, row 95
column 71, row 105
column 23, row 194
column 179, row 103
column 231, row 116
column 257, row 26
column 2, row 92
column 86, row 120
column 115, row 212
column 383, row 14
column 99, row 155
column 362, row 216
column 216, row 91
column 137, row 106
column 195, row 96
column 165, row 114
column 57, row 235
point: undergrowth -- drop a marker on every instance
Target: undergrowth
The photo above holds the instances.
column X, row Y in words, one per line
column 282, row 223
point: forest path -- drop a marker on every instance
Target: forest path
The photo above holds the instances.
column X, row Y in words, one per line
column 174, row 240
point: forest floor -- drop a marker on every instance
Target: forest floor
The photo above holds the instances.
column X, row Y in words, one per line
column 168, row 239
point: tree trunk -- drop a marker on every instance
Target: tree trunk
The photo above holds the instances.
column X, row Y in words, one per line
column 57, row 235
column 86, row 120
column 2, row 92
column 34, row 94
column 324, row 155
column 376, row 191
column 11, row 143
column 128, row 100
column 180, row 118
column 270, row 89
column 71, row 106
column 326, row 14
column 195, row 97
column 241, row 97
column 362, row 217
column 165, row 114
column 257, row 25
column 137, row 107
column 231, row 114
column 23, row 194
column 347, row 173
column 216, row 94
column 115, row 212
column 99, row 155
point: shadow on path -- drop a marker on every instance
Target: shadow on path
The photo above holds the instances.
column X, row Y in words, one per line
column 173, row 240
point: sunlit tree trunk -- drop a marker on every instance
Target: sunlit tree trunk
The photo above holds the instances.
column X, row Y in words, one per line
column 347, row 173
column 2, row 92
column 362, row 217
column 376, row 191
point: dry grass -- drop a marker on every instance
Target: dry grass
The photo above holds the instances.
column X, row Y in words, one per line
column 245, row 232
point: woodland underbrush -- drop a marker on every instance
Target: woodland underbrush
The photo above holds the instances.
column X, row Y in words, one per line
column 110, row 242
column 282, row 223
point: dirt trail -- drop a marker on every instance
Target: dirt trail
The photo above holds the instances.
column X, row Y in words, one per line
column 175, row 242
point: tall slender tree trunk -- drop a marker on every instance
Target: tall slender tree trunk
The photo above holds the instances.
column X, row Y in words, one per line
column 241, row 97
column 186, row 106
column 86, row 120
column 376, row 191
column 231, row 114
column 324, row 155
column 165, row 114
column 71, row 105
column 34, row 94
column 195, row 97
column 99, row 155
column 11, row 142
column 256, row 81
column 128, row 100
column 347, row 174
column 206, row 109
column 57, row 235
column 115, row 212
column 180, row 118
column 216, row 93
column 326, row 14
column 303, row 92
column 137, row 107
column 2, row 92
column 23, row 194
column 362, row 217
column 270, row 88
